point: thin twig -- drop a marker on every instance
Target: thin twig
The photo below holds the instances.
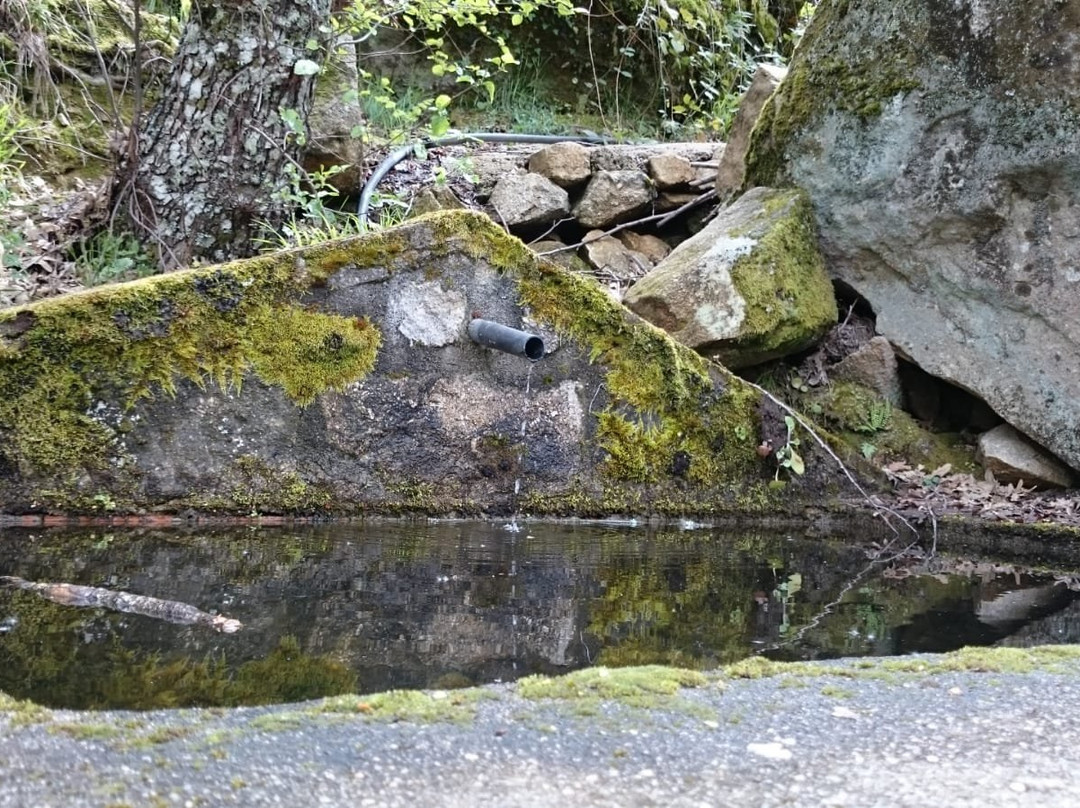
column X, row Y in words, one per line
column 551, row 229
column 693, row 203
column 117, row 120
column 873, row 501
column 661, row 218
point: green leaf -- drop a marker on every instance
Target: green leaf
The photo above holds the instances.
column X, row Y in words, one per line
column 442, row 101
column 517, row 19
column 305, row 67
column 797, row 464
column 312, row 44
column 439, row 126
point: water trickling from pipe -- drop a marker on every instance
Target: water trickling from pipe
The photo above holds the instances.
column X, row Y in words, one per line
column 513, row 526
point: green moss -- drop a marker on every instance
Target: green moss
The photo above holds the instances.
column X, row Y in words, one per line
column 639, row 686
column 1048, row 658
column 1058, row 659
column 263, row 489
column 382, row 250
column 820, row 81
column 306, row 353
column 279, row 722
column 860, row 416
column 424, row 707
column 86, row 732
column 790, row 302
column 22, row 712
column 59, row 357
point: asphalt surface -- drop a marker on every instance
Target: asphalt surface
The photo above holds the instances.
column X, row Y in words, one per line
column 850, row 736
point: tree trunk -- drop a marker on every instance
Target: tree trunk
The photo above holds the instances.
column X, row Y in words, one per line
column 212, row 153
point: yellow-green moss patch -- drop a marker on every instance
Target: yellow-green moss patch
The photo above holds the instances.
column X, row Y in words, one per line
column 790, row 301
column 669, row 413
column 819, row 80
column 1060, row 659
column 636, row 686
column 58, row 358
column 425, row 707
column 85, row 731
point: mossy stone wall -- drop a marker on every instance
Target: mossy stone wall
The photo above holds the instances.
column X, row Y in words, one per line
column 300, row 383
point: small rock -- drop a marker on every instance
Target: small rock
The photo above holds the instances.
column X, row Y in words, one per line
column 670, row 171
column 611, row 259
column 487, row 167
column 528, row 200
column 729, row 176
column 772, row 751
column 872, row 365
column 1012, row 457
column 612, row 197
column 565, row 164
column 429, row 200
column 652, row 247
column 621, row 157
column 750, row 287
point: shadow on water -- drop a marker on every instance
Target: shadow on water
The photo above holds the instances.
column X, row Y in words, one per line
column 341, row 608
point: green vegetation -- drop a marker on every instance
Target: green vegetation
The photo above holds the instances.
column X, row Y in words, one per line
column 820, row 81
column 208, row 325
column 425, row 707
column 854, row 412
column 111, row 258
column 790, row 301
column 1057, row 659
column 86, row 732
column 638, row 686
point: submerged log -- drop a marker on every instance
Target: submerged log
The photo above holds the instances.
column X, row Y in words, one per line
column 171, row 611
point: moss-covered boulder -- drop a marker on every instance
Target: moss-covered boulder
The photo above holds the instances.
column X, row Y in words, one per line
column 938, row 144
column 748, row 288
column 339, row 379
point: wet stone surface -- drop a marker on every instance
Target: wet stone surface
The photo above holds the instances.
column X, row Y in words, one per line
column 343, row 608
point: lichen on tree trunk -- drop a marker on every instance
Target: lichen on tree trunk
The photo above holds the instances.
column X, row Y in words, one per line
column 211, row 157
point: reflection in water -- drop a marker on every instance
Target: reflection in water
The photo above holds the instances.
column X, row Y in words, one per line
column 344, row 607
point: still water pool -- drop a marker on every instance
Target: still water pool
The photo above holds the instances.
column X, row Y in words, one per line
column 339, row 608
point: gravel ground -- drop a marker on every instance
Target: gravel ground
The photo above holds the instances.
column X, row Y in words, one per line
column 846, row 735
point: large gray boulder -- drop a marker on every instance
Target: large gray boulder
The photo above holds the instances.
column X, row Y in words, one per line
column 940, row 146
column 340, row 379
column 748, row 288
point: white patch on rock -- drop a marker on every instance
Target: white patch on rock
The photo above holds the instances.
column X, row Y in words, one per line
column 428, row 314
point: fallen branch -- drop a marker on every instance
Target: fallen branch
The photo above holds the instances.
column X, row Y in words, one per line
column 660, row 218
column 874, row 502
column 171, row 611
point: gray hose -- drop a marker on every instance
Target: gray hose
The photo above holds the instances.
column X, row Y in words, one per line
column 401, row 153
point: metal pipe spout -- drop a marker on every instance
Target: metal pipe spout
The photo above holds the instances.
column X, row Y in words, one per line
column 506, row 339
